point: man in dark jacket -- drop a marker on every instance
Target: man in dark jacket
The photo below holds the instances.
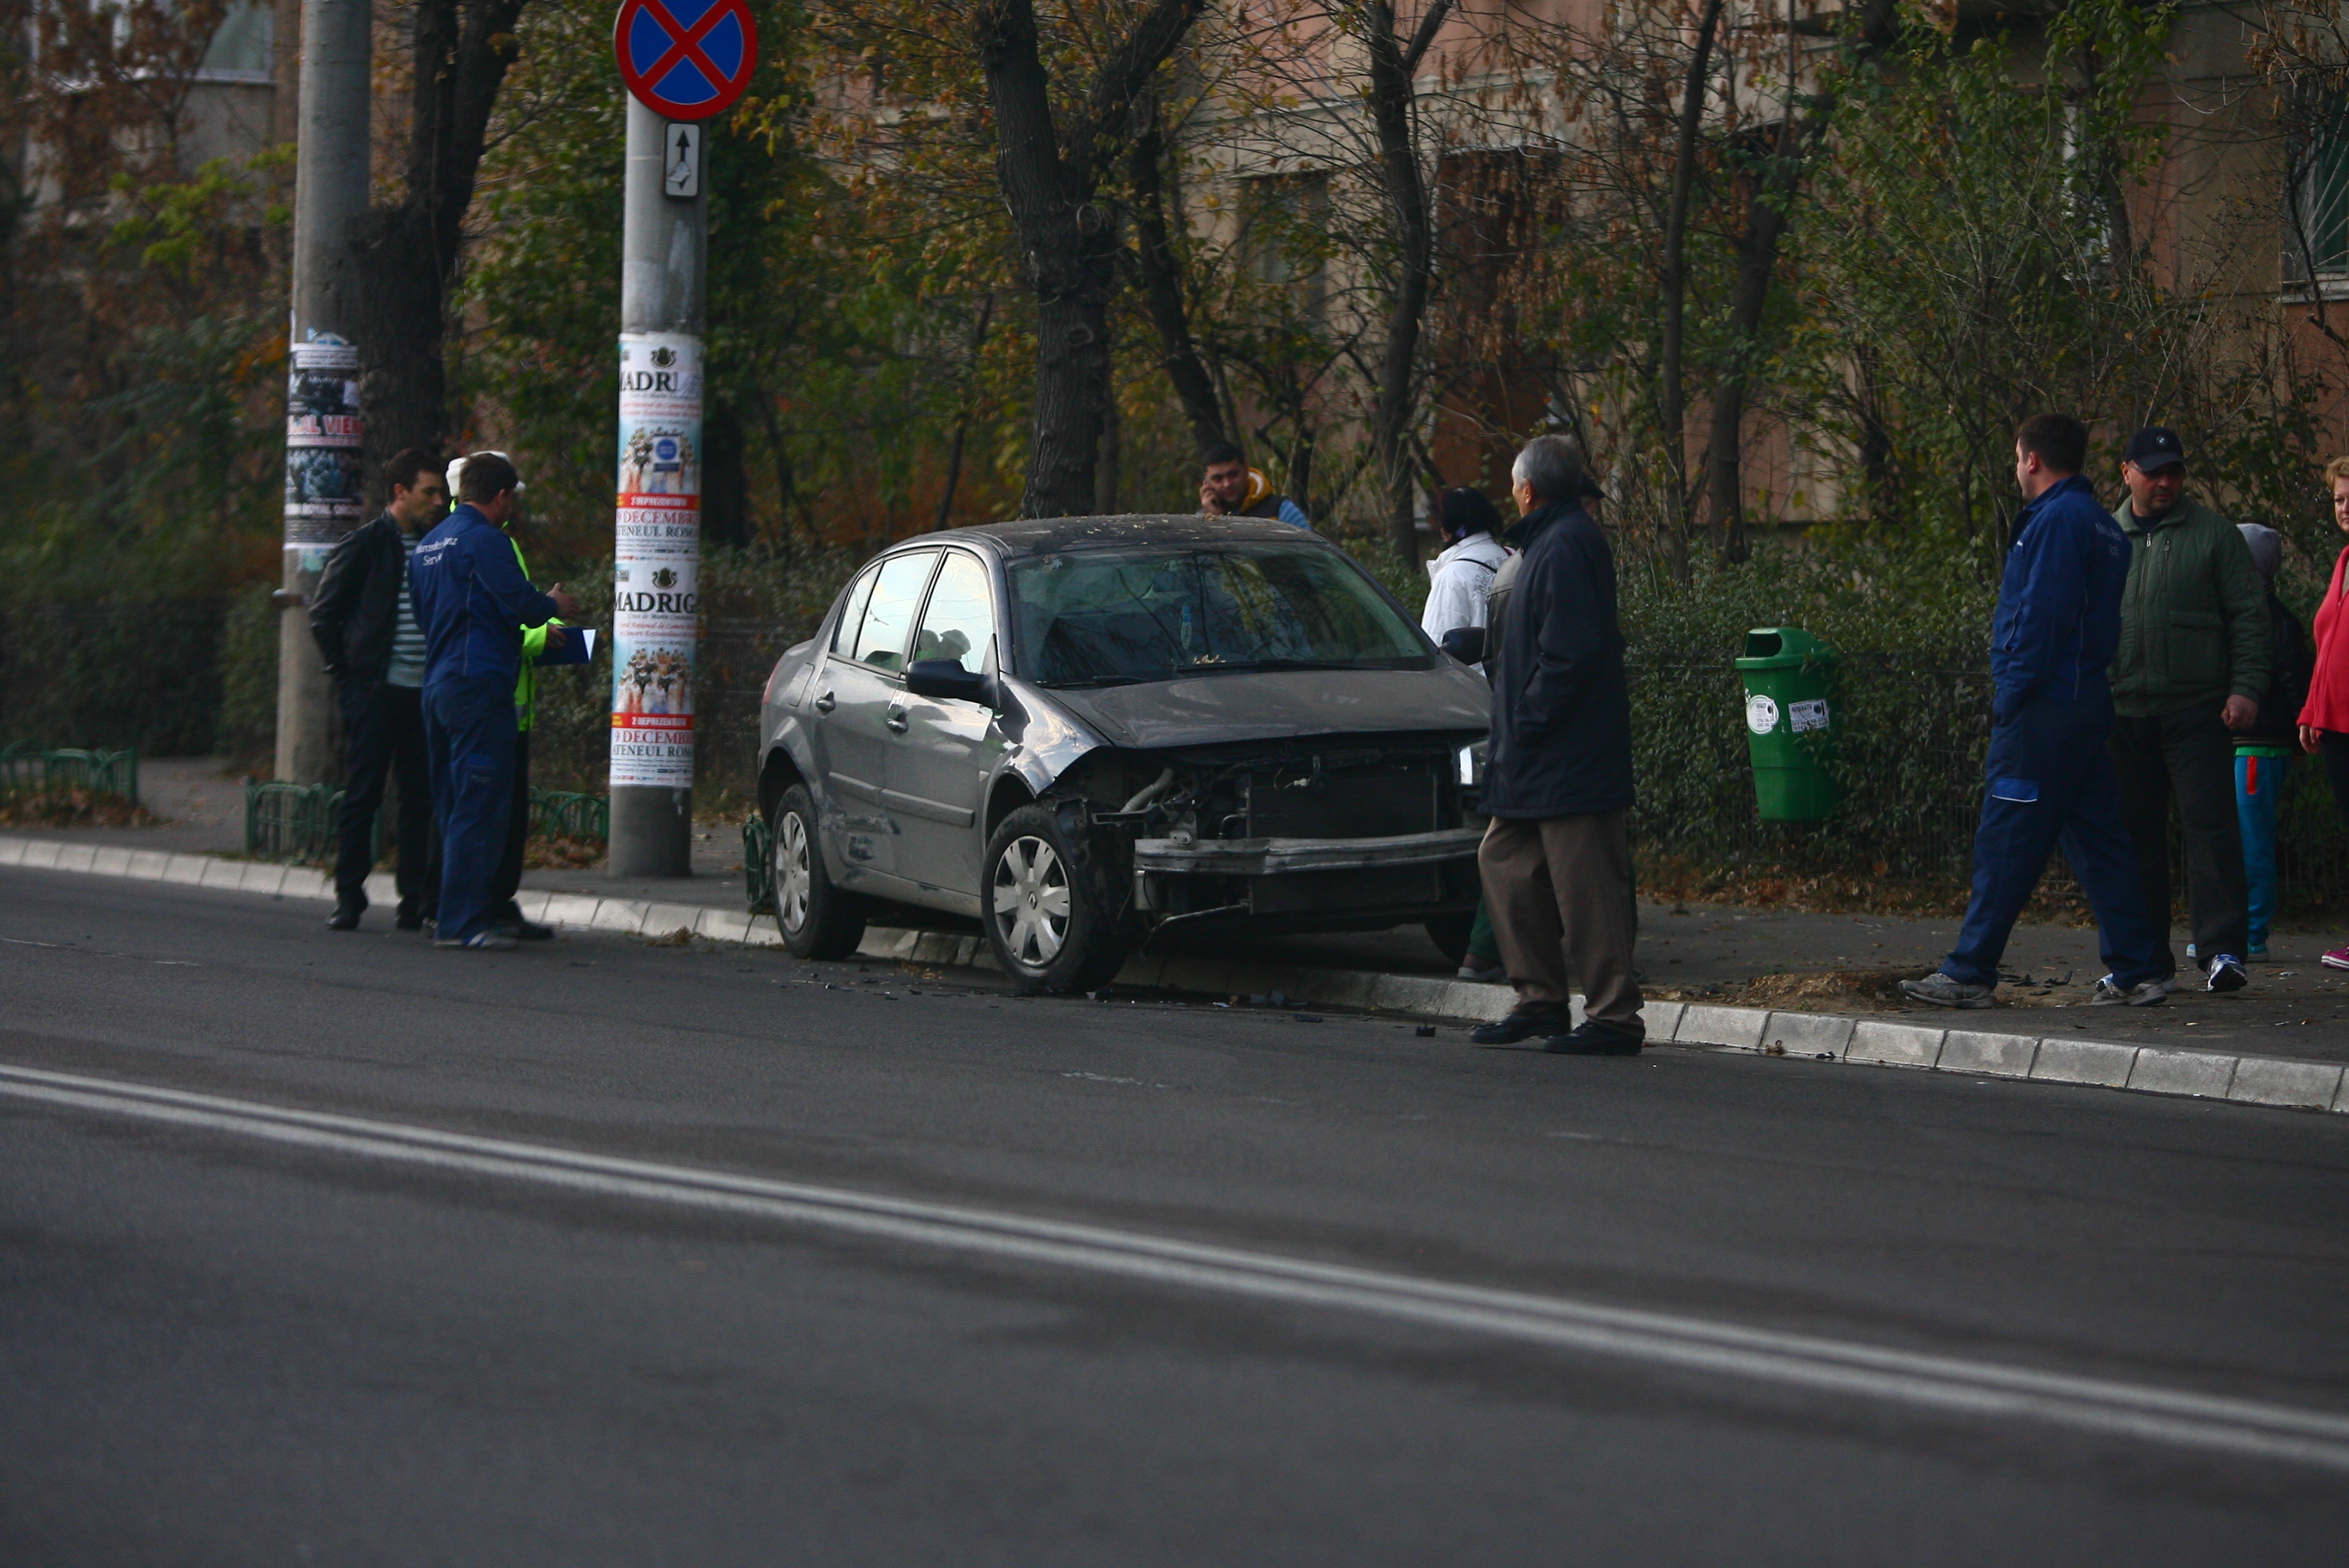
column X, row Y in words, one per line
column 2188, row 677
column 373, row 646
column 1557, row 860
column 2051, row 778
column 474, row 601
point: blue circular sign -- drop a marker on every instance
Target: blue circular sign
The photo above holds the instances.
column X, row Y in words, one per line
column 686, row 60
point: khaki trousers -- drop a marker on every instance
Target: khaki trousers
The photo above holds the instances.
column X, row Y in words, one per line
column 1560, row 891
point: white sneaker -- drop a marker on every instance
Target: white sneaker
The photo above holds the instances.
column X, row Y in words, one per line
column 2146, row 994
column 2228, row 973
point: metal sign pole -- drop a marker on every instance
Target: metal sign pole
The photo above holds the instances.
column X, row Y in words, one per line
column 324, row 482
column 656, row 558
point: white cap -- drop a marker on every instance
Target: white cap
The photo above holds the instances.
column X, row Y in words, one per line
column 457, row 473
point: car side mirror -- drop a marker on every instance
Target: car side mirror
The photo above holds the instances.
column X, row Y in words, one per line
column 1466, row 644
column 945, row 678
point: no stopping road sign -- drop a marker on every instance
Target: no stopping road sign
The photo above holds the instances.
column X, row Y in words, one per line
column 686, row 60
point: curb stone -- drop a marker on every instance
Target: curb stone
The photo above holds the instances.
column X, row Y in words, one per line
column 2240, row 1079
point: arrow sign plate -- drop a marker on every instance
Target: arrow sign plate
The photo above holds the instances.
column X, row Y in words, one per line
column 681, row 159
column 686, row 60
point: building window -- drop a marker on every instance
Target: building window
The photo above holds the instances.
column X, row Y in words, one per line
column 241, row 50
column 2316, row 192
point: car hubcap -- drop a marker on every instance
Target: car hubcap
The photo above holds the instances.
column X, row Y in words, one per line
column 1031, row 902
column 792, row 876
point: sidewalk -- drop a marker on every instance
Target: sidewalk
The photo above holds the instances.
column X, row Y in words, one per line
column 1788, row 983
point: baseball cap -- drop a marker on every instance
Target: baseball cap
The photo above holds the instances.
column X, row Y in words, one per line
column 2155, row 446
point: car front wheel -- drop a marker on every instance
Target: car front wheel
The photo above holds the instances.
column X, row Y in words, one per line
column 1052, row 918
column 819, row 921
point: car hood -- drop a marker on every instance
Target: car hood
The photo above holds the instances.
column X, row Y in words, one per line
column 1202, row 710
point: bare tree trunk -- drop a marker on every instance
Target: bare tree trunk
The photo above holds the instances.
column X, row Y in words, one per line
column 1757, row 262
column 1161, row 286
column 1049, row 187
column 1393, row 107
column 1671, row 393
column 786, row 478
column 1105, row 477
column 978, row 327
column 408, row 253
column 1768, row 213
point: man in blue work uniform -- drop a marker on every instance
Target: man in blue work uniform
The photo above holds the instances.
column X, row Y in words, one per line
column 471, row 594
column 2051, row 776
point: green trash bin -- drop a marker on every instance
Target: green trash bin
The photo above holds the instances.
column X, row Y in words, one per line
column 1791, row 697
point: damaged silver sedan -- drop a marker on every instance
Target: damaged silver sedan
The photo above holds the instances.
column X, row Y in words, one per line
column 1085, row 731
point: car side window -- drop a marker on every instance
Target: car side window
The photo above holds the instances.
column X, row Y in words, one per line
column 889, row 614
column 843, row 636
column 960, row 616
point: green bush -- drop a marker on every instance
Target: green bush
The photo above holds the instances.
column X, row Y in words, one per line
column 245, row 731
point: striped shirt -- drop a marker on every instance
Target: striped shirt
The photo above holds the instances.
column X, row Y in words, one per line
column 407, row 668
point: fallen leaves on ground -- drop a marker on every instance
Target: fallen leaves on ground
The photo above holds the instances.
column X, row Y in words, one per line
column 73, row 809
column 1808, row 989
column 545, row 853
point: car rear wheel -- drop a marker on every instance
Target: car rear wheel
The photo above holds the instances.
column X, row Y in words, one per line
column 819, row 921
column 1051, row 917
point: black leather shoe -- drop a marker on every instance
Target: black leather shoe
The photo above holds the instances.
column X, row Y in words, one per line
column 345, row 917
column 526, row 930
column 1594, row 1040
column 409, row 918
column 1522, row 1024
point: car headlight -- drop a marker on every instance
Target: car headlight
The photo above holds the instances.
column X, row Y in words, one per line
column 1469, row 760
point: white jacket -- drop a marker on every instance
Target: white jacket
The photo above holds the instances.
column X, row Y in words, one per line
column 1460, row 579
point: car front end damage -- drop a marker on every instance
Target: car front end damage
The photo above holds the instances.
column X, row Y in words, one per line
column 1309, row 833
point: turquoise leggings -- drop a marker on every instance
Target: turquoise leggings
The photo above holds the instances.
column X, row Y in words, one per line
column 2259, row 790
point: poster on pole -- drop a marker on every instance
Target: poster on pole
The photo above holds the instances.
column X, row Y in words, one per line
column 324, row 434
column 657, row 561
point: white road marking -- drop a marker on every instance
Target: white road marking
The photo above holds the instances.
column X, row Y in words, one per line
column 1951, row 1383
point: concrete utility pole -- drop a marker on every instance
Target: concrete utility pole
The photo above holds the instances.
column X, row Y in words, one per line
column 657, row 564
column 324, row 479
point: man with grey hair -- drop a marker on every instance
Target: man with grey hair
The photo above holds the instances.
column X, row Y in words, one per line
column 1556, row 858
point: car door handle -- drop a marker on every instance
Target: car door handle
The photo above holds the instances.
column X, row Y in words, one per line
column 824, row 703
column 896, row 720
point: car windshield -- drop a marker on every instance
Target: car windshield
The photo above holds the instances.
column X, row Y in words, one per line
column 1119, row 616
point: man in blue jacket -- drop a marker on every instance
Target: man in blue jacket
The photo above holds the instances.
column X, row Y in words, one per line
column 1556, row 858
column 473, row 599
column 2051, row 778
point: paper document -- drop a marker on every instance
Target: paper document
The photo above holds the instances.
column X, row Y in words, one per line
column 577, row 647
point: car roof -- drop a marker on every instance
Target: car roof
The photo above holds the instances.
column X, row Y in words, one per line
column 1036, row 536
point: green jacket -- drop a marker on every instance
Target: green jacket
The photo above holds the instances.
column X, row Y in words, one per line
column 534, row 642
column 2194, row 616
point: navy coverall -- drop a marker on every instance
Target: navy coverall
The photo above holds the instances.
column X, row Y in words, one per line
column 2050, row 776
column 472, row 598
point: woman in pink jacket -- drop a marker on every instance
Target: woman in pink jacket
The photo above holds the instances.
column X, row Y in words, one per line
column 2325, row 717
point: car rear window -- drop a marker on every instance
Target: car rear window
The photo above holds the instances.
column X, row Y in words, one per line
column 1118, row 616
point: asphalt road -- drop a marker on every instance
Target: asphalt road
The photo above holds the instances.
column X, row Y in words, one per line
column 614, row 1253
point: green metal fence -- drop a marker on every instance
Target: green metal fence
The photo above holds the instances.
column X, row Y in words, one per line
column 293, row 821
column 758, row 867
column 554, row 814
column 26, row 767
column 297, row 822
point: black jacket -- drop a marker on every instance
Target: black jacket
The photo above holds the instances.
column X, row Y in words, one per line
column 355, row 608
column 1561, row 739
column 2289, row 664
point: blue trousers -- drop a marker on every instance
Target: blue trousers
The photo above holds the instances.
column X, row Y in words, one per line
column 468, row 722
column 2259, row 791
column 2052, row 782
